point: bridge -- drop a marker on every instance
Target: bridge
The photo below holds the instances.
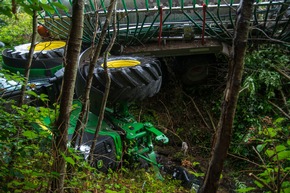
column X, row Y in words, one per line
column 174, row 26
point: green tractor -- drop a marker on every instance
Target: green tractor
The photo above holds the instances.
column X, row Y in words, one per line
column 121, row 137
column 190, row 31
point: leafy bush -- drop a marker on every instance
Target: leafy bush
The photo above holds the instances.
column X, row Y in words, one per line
column 137, row 181
column 263, row 85
column 15, row 31
column 5, row 9
column 272, row 146
column 26, row 157
column 24, row 154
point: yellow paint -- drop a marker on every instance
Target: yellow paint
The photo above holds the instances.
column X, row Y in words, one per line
column 122, row 63
column 49, row 45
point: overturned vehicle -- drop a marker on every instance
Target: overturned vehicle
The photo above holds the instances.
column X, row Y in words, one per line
column 121, row 137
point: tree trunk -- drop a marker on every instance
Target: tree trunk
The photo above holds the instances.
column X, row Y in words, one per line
column 62, row 122
column 94, row 56
column 30, row 58
column 222, row 137
column 108, row 82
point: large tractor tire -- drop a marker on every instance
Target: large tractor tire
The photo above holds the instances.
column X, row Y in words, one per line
column 47, row 58
column 132, row 78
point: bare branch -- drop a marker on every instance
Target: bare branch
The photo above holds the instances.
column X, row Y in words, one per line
column 262, row 182
column 259, row 156
column 282, row 73
column 197, row 109
column 283, row 112
column 112, row 9
column 30, row 58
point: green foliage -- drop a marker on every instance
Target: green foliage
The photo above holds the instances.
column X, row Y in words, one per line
column 88, row 179
column 15, row 31
column 262, row 80
column 39, row 5
column 24, row 147
column 5, row 9
column 24, row 155
column 273, row 149
column 137, row 181
column 262, row 83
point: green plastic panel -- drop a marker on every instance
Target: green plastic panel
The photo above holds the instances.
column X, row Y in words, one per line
column 34, row 72
column 92, row 125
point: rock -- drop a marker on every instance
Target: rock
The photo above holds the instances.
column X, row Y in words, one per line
column 2, row 45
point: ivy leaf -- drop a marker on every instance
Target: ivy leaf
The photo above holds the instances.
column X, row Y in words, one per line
column 30, row 186
column 43, row 97
column 195, row 163
column 271, row 132
column 32, row 93
column 246, row 189
column 270, row 152
column 30, row 134
column 279, row 120
column 280, row 148
column 258, row 184
column 28, row 10
column 110, row 191
column 69, row 160
column 76, row 156
column 282, row 155
column 198, row 174
column 260, row 147
column 47, row 8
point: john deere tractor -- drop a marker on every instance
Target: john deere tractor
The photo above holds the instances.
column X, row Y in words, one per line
column 121, row 137
column 189, row 31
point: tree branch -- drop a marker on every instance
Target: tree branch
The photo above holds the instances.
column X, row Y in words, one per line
column 283, row 112
column 197, row 109
column 282, row 73
column 262, row 182
column 112, row 9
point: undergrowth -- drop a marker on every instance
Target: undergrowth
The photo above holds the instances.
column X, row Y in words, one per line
column 191, row 114
column 26, row 157
column 15, row 31
column 26, row 161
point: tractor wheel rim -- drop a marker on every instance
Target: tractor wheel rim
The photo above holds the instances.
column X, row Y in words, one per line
column 41, row 46
column 122, row 63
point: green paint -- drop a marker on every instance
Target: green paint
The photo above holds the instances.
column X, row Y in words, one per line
column 34, row 72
